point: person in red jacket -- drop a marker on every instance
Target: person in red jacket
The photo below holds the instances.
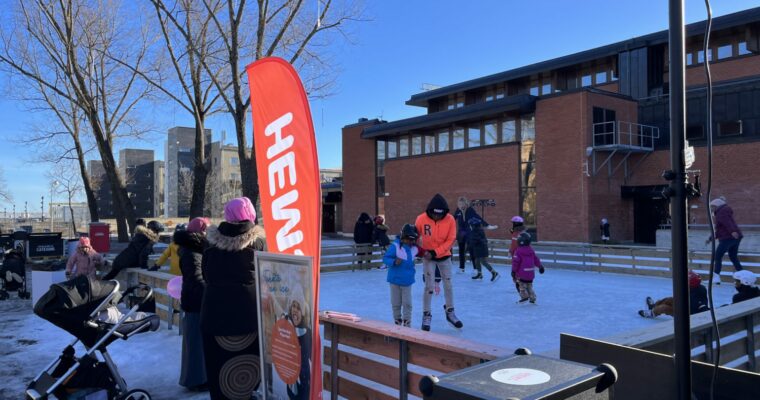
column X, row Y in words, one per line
column 437, row 230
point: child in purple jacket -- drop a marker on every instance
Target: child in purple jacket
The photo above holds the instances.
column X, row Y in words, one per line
column 524, row 263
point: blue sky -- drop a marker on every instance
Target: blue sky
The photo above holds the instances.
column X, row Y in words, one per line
column 403, row 45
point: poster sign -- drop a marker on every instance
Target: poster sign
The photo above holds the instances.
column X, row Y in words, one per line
column 45, row 245
column 285, row 291
column 288, row 176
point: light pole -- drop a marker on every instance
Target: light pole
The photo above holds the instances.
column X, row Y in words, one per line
column 53, row 185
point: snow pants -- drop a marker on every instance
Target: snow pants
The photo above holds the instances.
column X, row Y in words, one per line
column 526, row 290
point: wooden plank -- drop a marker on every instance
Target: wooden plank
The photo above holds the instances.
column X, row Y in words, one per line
column 440, row 360
column 353, row 390
column 733, row 350
column 375, row 371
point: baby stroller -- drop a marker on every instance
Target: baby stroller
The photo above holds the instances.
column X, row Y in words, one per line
column 78, row 306
column 13, row 274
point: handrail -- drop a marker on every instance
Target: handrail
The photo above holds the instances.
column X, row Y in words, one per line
column 624, row 133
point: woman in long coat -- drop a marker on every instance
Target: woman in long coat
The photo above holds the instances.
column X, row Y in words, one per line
column 229, row 315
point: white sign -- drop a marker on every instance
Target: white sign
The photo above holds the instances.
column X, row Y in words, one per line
column 520, row 376
column 688, row 155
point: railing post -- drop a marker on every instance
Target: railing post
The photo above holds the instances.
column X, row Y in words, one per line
column 403, row 374
column 334, row 362
column 751, row 361
column 709, row 351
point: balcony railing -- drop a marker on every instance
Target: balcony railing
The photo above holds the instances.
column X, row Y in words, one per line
column 624, row 135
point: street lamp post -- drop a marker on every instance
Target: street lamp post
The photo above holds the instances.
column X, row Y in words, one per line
column 53, row 185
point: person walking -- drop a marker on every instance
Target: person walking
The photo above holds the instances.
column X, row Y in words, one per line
column 363, row 229
column 229, row 314
column 478, row 245
column 399, row 259
column 462, row 215
column 84, row 261
column 604, row 229
column 191, row 242
column 437, row 229
column 728, row 234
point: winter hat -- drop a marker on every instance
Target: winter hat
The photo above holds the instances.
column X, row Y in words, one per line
column 718, row 202
column 84, row 242
column 239, row 209
column 604, row 221
column 518, row 219
column 694, row 279
column 198, row 225
column 745, row 277
column 379, row 219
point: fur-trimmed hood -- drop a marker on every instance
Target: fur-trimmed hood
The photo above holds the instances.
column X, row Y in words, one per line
column 141, row 230
column 193, row 241
column 236, row 236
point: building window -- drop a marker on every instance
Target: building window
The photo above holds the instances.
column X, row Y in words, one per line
column 729, row 128
column 457, row 139
column 527, row 128
column 701, row 56
column 473, row 136
column 603, row 127
column 234, row 161
column 725, row 51
column 429, row 144
column 381, row 149
column 489, row 95
column 689, row 58
column 534, row 90
column 490, row 134
column 508, row 130
column 392, row 149
column 443, row 141
column 500, row 90
column 403, row 147
column 743, row 49
column 586, row 80
column 695, row 132
column 601, row 77
column 546, row 88
column 416, row 145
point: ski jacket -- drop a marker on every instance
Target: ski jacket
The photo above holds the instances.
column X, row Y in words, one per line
column 84, row 263
column 402, row 274
column 477, row 242
column 172, row 254
column 380, row 235
column 230, row 275
column 725, row 224
column 137, row 252
column 745, row 292
column 191, row 246
column 463, row 228
column 698, row 299
column 524, row 263
column 437, row 236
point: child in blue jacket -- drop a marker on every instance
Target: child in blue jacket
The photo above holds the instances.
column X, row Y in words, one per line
column 399, row 258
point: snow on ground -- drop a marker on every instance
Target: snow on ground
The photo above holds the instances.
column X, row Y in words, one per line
column 583, row 303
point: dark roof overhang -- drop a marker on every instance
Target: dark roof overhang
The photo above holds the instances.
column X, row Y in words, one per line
column 697, row 28
column 521, row 104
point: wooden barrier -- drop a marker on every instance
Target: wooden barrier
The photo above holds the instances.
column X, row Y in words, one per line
column 377, row 360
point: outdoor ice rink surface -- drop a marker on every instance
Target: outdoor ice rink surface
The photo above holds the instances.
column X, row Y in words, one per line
column 590, row 304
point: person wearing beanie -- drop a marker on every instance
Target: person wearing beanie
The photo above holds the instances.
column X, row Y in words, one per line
column 84, row 261
column 744, row 281
column 228, row 312
column 697, row 300
column 191, row 243
column 728, row 234
column 136, row 254
column 437, row 229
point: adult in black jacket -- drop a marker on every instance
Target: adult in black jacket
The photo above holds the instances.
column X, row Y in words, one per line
column 139, row 248
column 363, row 229
column 229, row 315
column 463, row 214
column 191, row 243
column 744, row 281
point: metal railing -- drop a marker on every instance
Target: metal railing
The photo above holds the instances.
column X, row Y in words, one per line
column 613, row 134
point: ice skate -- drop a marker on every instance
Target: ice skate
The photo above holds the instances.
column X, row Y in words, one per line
column 523, row 300
column 477, row 277
column 426, row 319
column 494, row 276
column 461, row 270
column 397, row 322
column 650, row 303
column 533, row 302
column 452, row 318
column 406, row 322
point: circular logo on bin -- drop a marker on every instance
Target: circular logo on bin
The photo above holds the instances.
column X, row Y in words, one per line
column 520, row 376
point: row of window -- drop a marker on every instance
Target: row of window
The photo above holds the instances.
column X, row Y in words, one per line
column 721, row 52
column 471, row 136
column 723, row 129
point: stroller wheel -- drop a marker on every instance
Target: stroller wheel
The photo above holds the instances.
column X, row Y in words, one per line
column 136, row 394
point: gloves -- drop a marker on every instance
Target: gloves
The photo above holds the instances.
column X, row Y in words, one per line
column 541, row 269
column 432, row 253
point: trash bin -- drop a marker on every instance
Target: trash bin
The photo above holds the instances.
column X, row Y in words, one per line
column 100, row 237
column 45, row 275
column 523, row 376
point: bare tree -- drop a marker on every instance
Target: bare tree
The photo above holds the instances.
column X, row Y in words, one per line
column 219, row 191
column 285, row 28
column 185, row 187
column 5, row 193
column 55, row 41
column 69, row 183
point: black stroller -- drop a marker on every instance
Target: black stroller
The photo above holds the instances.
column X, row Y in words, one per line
column 75, row 306
column 13, row 274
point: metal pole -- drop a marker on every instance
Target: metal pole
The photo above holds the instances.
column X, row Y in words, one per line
column 678, row 202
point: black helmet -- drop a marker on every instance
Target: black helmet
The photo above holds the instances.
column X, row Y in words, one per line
column 524, row 239
column 409, row 231
column 180, row 227
column 156, row 226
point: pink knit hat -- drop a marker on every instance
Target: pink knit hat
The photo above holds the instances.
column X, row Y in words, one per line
column 239, row 209
column 84, row 241
column 198, row 225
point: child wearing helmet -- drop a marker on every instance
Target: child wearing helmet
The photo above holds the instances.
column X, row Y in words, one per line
column 399, row 259
column 518, row 226
column 524, row 263
column 745, row 286
column 477, row 242
column 697, row 300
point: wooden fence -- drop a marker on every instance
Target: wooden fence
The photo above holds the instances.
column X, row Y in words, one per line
column 382, row 361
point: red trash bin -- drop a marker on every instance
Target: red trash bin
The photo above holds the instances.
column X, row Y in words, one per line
column 100, row 236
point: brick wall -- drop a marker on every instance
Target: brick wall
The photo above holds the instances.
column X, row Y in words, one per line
column 358, row 175
column 486, row 173
column 723, row 70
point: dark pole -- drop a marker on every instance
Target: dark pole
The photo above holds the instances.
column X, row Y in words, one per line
column 678, row 202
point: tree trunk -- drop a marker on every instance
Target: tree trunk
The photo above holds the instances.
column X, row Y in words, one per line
column 200, row 171
column 248, row 172
column 73, row 221
column 92, row 203
column 122, row 204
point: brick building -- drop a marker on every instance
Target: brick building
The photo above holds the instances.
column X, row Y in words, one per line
column 568, row 141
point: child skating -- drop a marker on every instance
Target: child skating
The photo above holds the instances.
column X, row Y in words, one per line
column 518, row 227
column 524, row 264
column 478, row 245
column 399, row 258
